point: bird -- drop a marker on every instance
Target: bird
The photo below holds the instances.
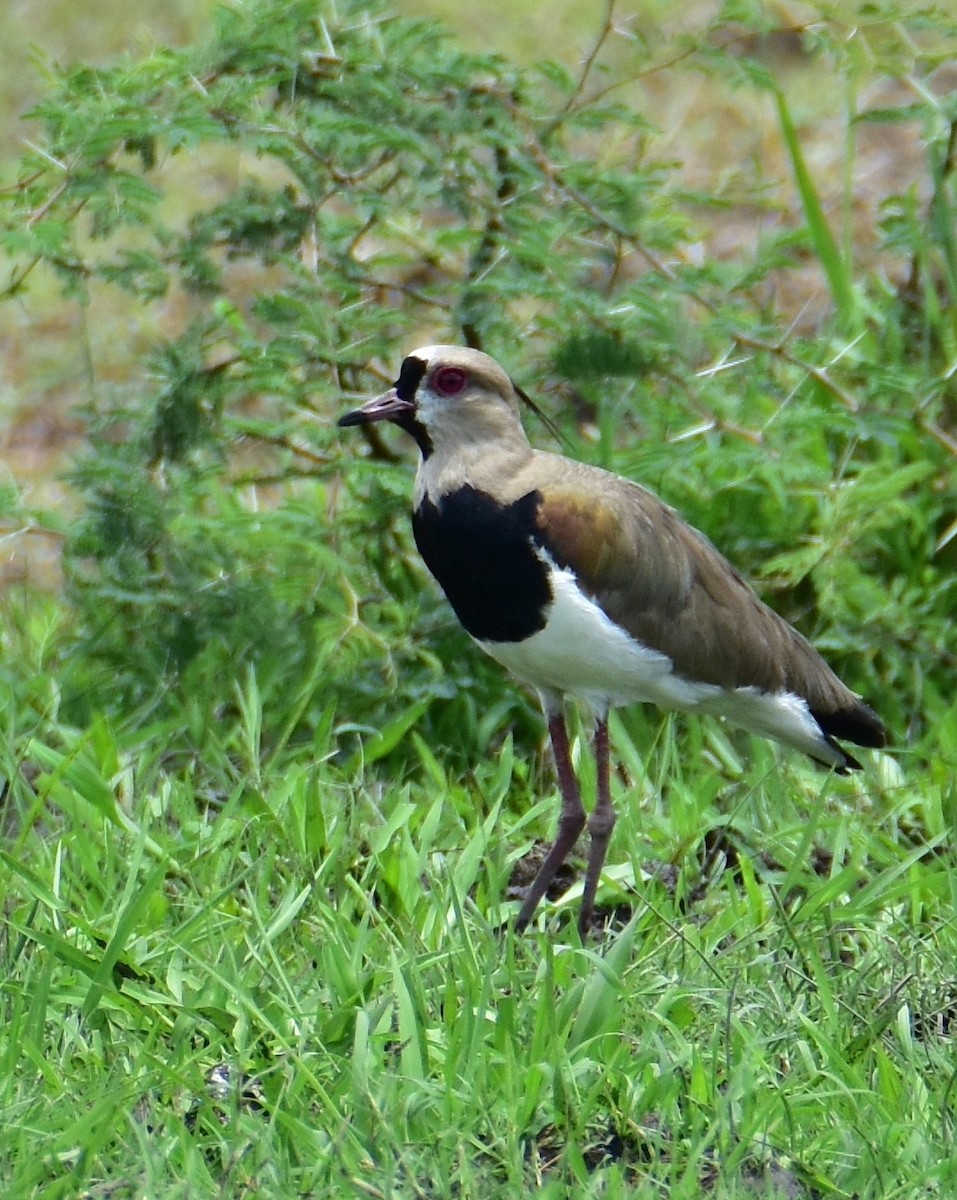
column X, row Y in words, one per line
column 589, row 588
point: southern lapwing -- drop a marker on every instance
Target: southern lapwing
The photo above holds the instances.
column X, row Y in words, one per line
column 585, row 585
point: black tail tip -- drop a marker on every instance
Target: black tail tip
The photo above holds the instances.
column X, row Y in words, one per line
column 859, row 724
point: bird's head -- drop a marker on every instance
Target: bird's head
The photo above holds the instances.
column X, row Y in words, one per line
column 447, row 396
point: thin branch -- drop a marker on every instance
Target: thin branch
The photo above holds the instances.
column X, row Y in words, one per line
column 17, row 281
column 940, row 436
column 14, row 531
column 693, row 49
column 554, row 175
column 818, row 374
column 39, row 213
column 284, row 442
column 21, row 184
column 604, row 33
column 256, row 480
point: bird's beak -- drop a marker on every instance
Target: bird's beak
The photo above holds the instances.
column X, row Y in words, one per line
column 387, row 407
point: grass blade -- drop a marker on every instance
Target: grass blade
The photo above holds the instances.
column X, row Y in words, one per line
column 823, row 241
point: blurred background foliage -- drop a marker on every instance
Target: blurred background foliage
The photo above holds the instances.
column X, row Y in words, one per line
column 248, row 234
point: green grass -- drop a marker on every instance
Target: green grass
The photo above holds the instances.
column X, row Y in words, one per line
column 263, row 801
column 770, row 1017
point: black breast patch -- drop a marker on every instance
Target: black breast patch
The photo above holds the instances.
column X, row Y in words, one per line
column 483, row 555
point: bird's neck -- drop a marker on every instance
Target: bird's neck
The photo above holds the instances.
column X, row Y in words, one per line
column 489, row 465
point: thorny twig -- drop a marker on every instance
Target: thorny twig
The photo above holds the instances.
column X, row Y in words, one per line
column 604, row 33
column 554, row 175
column 940, row 436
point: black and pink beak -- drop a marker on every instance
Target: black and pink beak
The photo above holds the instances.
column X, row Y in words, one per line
column 397, row 405
column 387, row 407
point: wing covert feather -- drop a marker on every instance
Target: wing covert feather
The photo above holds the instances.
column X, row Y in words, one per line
column 668, row 586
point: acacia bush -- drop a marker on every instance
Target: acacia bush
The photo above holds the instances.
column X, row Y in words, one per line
column 305, row 197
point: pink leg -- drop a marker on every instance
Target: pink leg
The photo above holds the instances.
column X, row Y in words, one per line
column 571, row 821
column 600, row 824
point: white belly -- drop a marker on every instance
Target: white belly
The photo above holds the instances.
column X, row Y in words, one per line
column 583, row 654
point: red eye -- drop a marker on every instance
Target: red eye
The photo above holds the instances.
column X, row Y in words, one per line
column 449, row 381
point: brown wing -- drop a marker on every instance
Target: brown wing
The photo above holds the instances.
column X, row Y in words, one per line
column 666, row 584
